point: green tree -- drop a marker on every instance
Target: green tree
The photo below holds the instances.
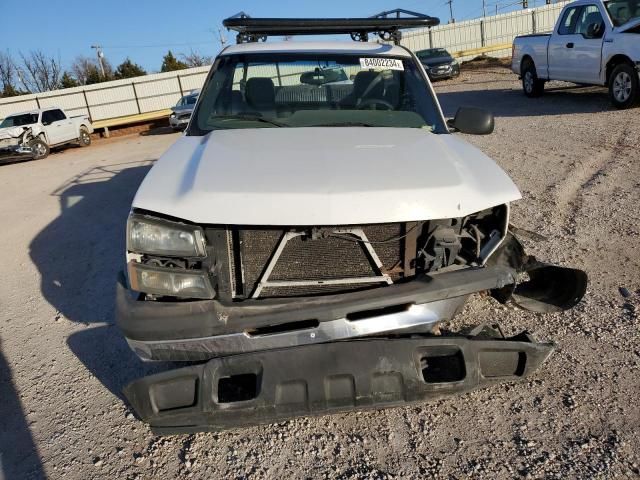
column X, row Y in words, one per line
column 93, row 76
column 128, row 69
column 171, row 63
column 9, row 91
column 67, row 81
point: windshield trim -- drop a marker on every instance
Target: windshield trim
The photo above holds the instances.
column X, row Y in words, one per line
column 440, row 126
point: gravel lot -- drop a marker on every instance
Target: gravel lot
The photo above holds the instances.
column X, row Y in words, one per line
column 63, row 363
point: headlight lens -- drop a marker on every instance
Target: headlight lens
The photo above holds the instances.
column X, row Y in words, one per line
column 170, row 282
column 160, row 237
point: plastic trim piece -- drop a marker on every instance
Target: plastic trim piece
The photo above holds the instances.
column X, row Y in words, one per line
column 276, row 385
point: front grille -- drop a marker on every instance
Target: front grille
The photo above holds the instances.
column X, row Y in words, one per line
column 307, row 259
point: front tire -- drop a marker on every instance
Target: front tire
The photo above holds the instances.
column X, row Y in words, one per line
column 531, row 85
column 40, row 148
column 85, row 137
column 624, row 86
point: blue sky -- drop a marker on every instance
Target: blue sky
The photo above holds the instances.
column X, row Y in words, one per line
column 145, row 29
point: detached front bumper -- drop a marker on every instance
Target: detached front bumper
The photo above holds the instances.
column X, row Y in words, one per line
column 272, row 386
column 200, row 330
column 16, row 152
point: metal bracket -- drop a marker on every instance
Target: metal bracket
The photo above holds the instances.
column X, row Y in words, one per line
column 356, row 232
column 248, row 38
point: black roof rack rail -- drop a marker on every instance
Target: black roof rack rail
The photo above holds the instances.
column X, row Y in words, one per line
column 387, row 28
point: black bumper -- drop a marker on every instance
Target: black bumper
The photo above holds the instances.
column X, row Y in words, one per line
column 17, row 152
column 272, row 386
column 145, row 321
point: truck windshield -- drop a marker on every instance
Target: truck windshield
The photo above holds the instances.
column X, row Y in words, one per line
column 621, row 11
column 19, row 120
column 315, row 90
column 432, row 53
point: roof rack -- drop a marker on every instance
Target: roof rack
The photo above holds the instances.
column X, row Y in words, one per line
column 387, row 28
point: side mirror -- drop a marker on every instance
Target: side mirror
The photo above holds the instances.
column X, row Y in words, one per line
column 46, row 124
column 474, row 121
column 594, row 30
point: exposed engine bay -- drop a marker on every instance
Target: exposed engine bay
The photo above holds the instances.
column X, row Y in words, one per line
column 258, row 262
column 16, row 142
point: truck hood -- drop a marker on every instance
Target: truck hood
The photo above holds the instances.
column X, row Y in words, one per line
column 12, row 132
column 322, row 176
column 634, row 22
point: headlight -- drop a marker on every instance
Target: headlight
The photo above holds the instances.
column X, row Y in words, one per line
column 170, row 282
column 160, row 237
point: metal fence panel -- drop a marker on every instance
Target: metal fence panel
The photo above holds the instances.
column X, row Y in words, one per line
column 485, row 32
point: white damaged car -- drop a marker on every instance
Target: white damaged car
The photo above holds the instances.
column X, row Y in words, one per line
column 304, row 240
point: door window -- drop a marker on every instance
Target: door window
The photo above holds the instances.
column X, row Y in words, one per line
column 48, row 117
column 590, row 14
column 58, row 115
column 568, row 24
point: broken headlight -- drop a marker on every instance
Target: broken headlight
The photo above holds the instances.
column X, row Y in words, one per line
column 154, row 236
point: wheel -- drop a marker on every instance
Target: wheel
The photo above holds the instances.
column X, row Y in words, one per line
column 40, row 148
column 624, row 86
column 85, row 138
column 531, row 84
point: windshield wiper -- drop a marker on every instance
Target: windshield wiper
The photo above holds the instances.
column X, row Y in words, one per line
column 251, row 118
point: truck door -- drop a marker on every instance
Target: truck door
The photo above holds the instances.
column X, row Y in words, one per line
column 588, row 48
column 562, row 61
column 59, row 128
column 51, row 128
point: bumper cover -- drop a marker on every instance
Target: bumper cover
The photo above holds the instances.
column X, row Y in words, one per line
column 200, row 330
column 272, row 386
column 15, row 152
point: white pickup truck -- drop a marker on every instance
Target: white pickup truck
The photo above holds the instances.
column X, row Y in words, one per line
column 594, row 42
column 306, row 236
column 34, row 132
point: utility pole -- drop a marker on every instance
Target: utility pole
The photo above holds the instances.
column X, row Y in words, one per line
column 484, row 8
column 451, row 19
column 223, row 39
column 100, row 56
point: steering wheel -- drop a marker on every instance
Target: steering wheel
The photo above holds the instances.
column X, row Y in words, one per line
column 375, row 101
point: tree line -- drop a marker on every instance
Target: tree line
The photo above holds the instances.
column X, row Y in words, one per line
column 37, row 72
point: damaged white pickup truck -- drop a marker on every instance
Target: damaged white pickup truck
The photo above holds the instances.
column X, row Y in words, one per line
column 30, row 135
column 306, row 237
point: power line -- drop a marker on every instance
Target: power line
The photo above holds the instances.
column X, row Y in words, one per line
column 164, row 45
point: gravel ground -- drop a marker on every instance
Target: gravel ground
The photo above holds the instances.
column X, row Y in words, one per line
column 63, row 363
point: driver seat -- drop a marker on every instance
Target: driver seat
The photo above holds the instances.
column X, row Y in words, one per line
column 367, row 85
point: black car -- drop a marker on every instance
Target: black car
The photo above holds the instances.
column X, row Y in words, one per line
column 439, row 63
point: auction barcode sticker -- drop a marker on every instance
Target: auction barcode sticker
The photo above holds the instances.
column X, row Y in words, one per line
column 384, row 63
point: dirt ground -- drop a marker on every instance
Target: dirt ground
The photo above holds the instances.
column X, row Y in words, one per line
column 63, row 362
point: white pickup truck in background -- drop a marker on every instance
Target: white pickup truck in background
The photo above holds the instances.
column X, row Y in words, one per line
column 594, row 42
column 37, row 131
